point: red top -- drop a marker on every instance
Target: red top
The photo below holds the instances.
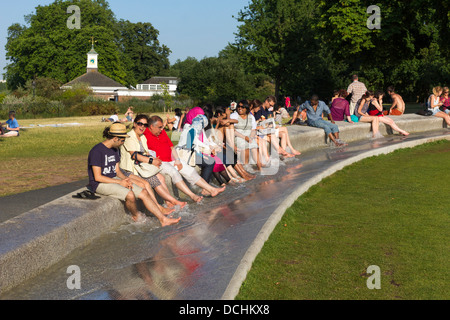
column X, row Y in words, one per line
column 162, row 145
column 446, row 102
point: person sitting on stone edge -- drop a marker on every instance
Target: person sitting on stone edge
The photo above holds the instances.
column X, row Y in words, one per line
column 106, row 178
column 315, row 110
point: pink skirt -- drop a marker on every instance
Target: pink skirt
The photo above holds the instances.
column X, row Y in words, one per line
column 218, row 167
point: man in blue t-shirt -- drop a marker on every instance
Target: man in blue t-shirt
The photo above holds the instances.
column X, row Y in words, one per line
column 12, row 127
column 106, row 178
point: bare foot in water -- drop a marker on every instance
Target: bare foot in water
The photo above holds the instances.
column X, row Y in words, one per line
column 166, row 211
column 169, row 221
column 169, row 204
column 249, row 177
column 287, row 155
column 197, row 198
column 139, row 218
column 177, row 203
column 214, row 192
column 340, row 144
column 237, row 180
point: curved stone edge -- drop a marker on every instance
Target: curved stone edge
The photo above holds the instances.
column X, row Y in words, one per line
column 247, row 261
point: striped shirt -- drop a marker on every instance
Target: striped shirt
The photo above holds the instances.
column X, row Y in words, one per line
column 357, row 89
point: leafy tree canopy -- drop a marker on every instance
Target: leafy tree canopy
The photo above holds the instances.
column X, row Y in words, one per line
column 314, row 46
column 46, row 47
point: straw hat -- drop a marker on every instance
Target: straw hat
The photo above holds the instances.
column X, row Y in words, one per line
column 118, row 130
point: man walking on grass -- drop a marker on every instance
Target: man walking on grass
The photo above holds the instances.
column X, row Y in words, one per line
column 106, row 178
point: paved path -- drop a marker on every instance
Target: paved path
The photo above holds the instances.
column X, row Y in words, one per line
column 15, row 205
column 208, row 254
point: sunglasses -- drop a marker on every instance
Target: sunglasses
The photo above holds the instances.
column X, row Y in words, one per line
column 140, row 124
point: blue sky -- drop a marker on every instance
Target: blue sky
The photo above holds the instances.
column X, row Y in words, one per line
column 196, row 28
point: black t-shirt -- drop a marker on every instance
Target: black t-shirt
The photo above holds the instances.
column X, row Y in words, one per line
column 105, row 158
column 262, row 112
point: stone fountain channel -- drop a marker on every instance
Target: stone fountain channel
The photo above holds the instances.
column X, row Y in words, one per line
column 207, row 255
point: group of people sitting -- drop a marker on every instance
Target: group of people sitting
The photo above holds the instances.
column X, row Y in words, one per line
column 130, row 165
column 356, row 104
column 369, row 108
column 439, row 98
column 219, row 143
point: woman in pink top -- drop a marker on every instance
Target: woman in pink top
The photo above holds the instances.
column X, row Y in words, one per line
column 445, row 100
column 340, row 108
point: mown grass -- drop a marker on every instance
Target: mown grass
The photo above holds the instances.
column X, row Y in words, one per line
column 391, row 211
column 48, row 156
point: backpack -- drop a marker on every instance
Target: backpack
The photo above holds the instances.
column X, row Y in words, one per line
column 426, row 111
column 428, row 103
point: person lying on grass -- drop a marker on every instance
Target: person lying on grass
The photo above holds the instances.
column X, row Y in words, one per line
column 106, row 178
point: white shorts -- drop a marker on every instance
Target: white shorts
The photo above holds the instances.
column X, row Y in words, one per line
column 187, row 172
column 11, row 134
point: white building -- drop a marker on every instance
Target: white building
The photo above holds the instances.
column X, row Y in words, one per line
column 156, row 85
column 108, row 89
column 101, row 85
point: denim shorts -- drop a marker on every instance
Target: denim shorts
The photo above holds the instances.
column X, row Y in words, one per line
column 435, row 110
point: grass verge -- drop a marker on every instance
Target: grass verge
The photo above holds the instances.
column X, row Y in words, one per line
column 391, row 211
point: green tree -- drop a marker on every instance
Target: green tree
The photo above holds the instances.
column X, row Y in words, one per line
column 145, row 56
column 46, row 47
column 266, row 36
column 215, row 80
column 409, row 51
column 168, row 99
column 43, row 87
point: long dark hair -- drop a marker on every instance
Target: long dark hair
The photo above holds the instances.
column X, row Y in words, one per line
column 139, row 117
column 219, row 111
column 378, row 93
column 368, row 94
column 244, row 103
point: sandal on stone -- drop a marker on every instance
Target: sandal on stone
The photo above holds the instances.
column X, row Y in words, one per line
column 88, row 195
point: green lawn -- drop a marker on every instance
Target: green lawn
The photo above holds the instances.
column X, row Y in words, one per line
column 391, row 211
